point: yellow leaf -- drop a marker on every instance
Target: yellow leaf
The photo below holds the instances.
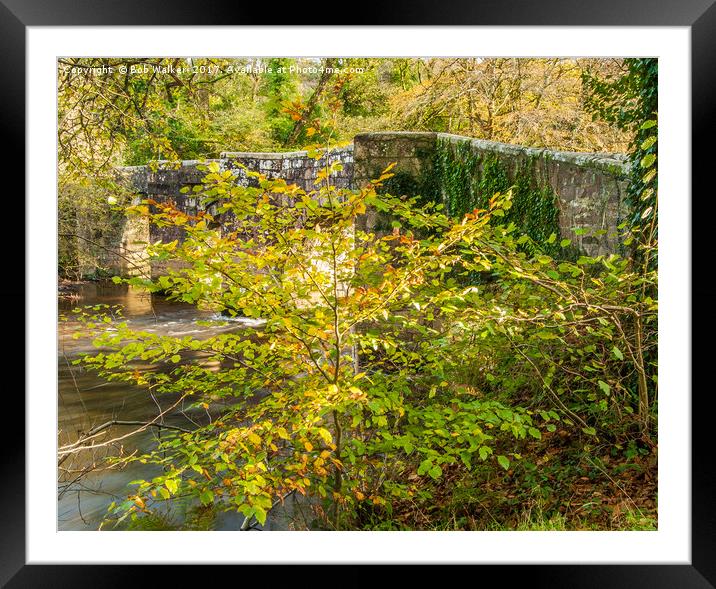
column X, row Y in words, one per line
column 325, row 435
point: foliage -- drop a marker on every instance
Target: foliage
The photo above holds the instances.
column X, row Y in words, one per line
column 463, row 180
column 629, row 101
column 386, row 387
column 327, row 420
column 279, row 86
column 469, row 180
column 103, row 103
column 355, row 392
column 582, row 328
column 535, row 102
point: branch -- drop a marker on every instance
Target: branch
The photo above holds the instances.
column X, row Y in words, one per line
column 99, row 428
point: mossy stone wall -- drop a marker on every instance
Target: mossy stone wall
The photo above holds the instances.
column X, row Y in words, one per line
column 577, row 196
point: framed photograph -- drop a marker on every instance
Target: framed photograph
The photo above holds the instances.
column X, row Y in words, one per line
column 408, row 293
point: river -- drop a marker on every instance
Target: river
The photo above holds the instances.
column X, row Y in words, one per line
column 85, row 486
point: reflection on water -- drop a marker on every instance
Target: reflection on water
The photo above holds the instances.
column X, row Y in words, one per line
column 86, row 487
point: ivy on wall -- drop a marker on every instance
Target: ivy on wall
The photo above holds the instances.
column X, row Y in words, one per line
column 467, row 180
column 463, row 180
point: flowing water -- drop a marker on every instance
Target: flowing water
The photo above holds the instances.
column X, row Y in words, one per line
column 85, row 486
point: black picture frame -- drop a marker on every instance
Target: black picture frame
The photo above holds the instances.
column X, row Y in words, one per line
column 699, row 15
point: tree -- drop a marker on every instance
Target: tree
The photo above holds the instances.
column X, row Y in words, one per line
column 348, row 370
column 535, row 102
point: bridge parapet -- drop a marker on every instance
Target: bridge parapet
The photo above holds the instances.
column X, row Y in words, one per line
column 588, row 188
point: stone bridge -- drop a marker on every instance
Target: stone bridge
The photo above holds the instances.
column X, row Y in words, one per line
column 588, row 188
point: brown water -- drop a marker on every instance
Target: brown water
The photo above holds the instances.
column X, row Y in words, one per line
column 86, row 401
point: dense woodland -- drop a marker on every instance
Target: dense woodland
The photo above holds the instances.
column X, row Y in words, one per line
column 455, row 372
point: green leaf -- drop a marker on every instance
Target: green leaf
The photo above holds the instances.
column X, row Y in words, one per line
column 260, row 514
column 435, row 472
column 648, row 160
column 535, row 433
column 175, row 358
column 425, row 466
column 590, row 431
column 648, row 124
column 618, row 353
column 544, row 334
column 504, row 461
column 604, row 386
column 485, row 452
